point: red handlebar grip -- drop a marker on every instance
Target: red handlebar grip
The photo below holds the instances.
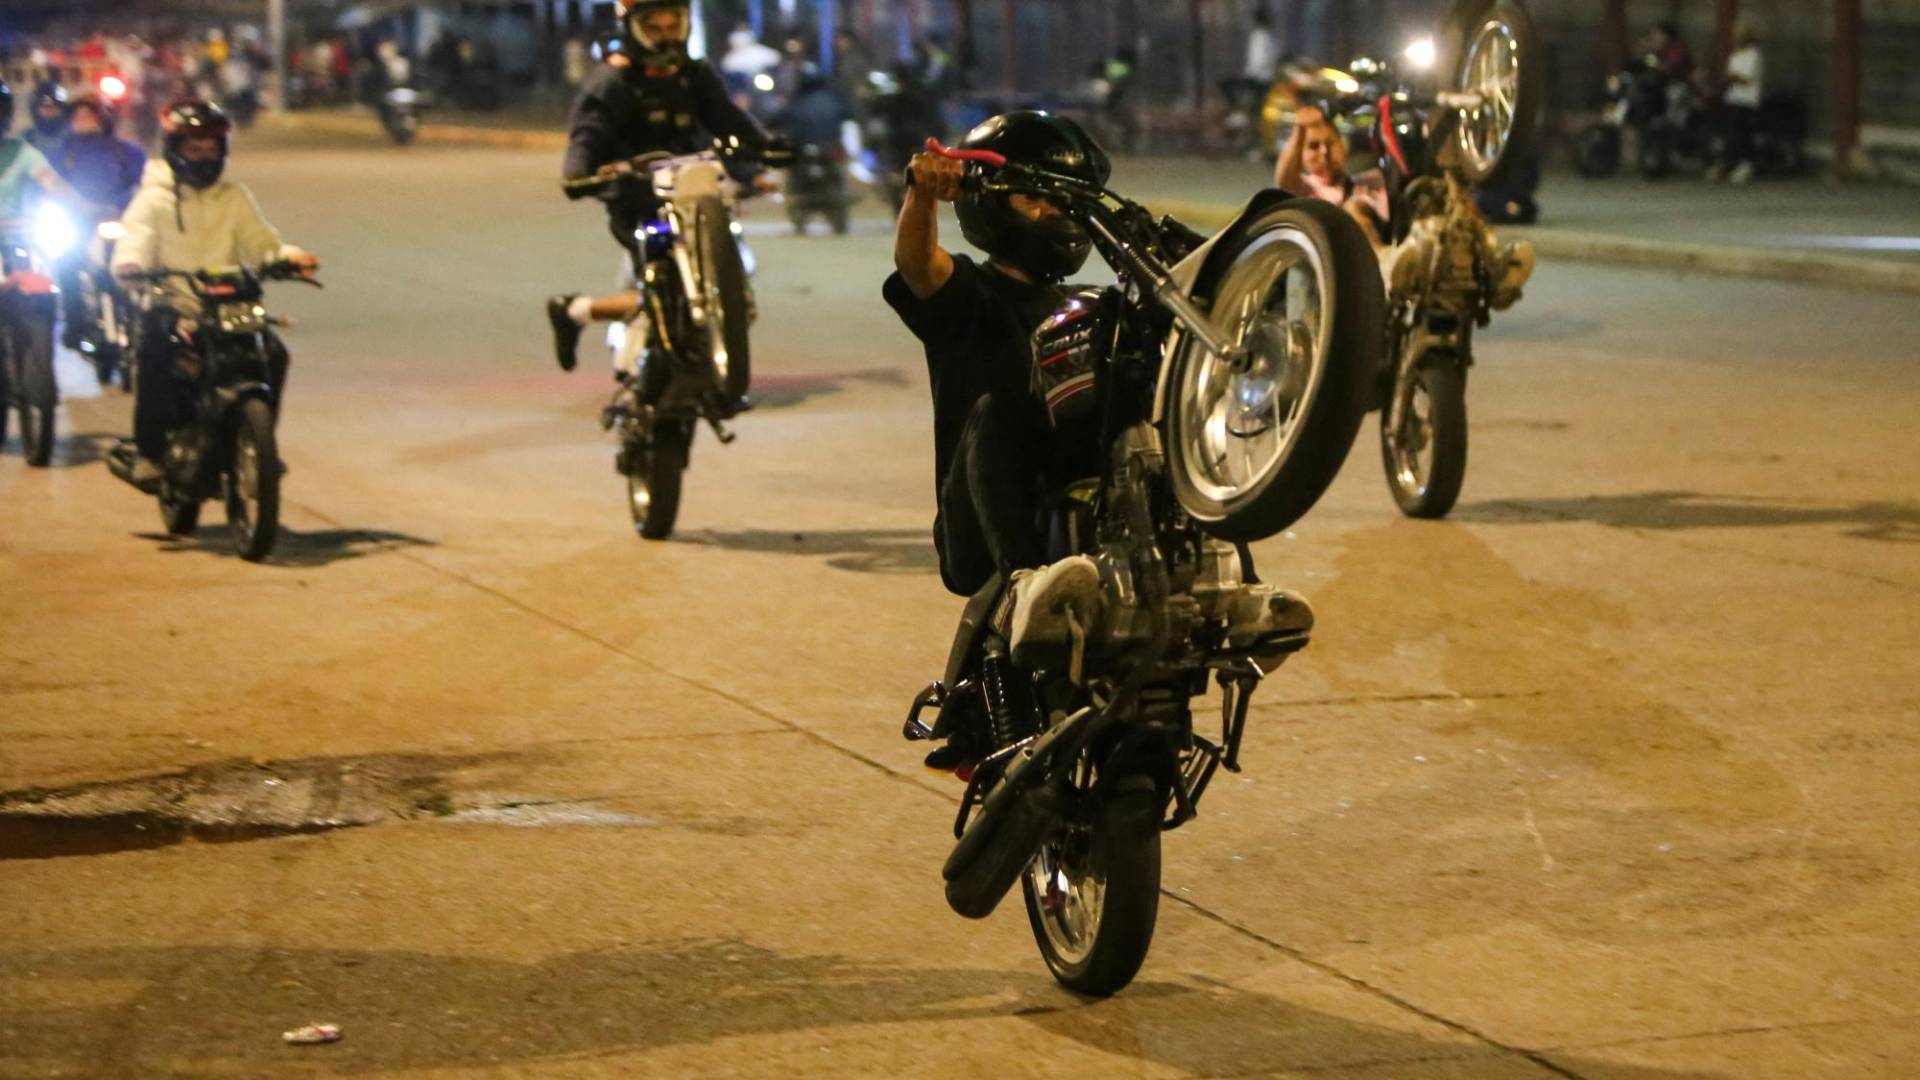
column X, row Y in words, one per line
column 986, row 157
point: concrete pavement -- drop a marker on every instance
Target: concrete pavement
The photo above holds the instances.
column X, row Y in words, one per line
column 1608, row 776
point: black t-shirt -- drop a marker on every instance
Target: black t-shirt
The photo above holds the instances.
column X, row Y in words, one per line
column 978, row 333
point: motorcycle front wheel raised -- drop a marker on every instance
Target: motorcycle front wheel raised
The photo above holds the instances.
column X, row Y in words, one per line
column 728, row 306
column 654, row 471
column 1093, row 890
column 1426, row 454
column 253, row 482
column 1251, row 451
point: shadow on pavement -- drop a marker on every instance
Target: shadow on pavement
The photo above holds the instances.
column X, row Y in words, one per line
column 863, row 551
column 295, row 548
column 780, row 390
column 223, row 1007
column 1896, row 522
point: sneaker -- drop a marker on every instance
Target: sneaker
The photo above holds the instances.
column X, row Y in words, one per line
column 1042, row 600
column 566, row 332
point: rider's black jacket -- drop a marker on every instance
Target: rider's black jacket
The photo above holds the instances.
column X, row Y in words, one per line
column 622, row 114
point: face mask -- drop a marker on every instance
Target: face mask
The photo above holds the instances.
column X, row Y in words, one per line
column 197, row 174
column 1053, row 248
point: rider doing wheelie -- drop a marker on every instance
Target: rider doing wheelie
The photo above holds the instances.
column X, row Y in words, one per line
column 187, row 217
column 994, row 451
column 649, row 96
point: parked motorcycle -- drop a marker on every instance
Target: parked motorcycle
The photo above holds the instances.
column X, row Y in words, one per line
column 817, row 187
column 29, row 305
column 228, row 448
column 1222, row 382
column 1671, row 128
column 683, row 358
column 1449, row 273
column 400, row 110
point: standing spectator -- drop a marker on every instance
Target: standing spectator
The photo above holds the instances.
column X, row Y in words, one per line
column 1263, row 52
column 1669, row 50
column 1745, row 80
column 575, row 62
column 851, row 68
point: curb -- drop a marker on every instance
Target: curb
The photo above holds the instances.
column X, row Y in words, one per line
column 1716, row 259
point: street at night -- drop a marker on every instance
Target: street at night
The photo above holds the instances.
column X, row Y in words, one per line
column 1609, row 774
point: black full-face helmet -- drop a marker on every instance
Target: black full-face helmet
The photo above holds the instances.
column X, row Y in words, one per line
column 1053, row 247
column 100, row 107
column 49, row 108
column 193, row 118
column 638, row 45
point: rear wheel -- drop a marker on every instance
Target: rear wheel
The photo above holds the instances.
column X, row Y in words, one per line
column 1500, row 60
column 1425, row 454
column 654, row 471
column 253, row 482
column 35, row 390
column 1251, row 451
column 727, row 306
column 1093, row 890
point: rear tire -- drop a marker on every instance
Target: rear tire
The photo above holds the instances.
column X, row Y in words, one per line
column 654, row 474
column 253, row 482
column 1338, row 319
column 720, row 258
column 38, row 395
column 1122, row 848
column 1426, row 461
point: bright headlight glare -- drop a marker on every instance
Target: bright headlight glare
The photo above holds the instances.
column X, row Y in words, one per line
column 111, row 230
column 1347, row 86
column 1422, row 53
column 763, row 83
column 52, row 231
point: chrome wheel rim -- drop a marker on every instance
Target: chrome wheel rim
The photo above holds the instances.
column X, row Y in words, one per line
column 1490, row 68
column 1412, row 444
column 1069, row 885
column 1237, row 426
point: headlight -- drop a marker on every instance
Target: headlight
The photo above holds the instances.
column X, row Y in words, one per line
column 763, row 83
column 111, row 230
column 52, row 231
column 1422, row 54
column 1346, row 85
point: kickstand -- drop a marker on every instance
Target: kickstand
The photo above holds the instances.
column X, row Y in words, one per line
column 720, row 430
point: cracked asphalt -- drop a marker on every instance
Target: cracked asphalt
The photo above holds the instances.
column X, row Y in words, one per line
column 1609, row 776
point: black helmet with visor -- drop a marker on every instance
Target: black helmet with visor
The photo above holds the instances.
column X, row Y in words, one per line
column 1051, row 247
column 189, row 119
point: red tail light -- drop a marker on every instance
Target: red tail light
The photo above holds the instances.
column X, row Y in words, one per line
column 113, row 87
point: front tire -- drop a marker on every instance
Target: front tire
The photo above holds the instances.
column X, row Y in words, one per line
column 253, row 482
column 728, row 306
column 1426, row 458
column 1251, row 452
column 1093, row 890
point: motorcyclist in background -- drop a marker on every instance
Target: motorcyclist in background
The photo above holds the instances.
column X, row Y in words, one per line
column 105, row 171
column 50, row 110
column 653, row 97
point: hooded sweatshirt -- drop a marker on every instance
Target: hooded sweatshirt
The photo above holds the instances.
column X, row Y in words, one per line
column 175, row 227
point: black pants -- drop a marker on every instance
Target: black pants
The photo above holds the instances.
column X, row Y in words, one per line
column 163, row 399
column 1739, row 121
column 989, row 499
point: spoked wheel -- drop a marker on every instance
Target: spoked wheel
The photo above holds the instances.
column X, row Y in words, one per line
column 34, row 390
column 1500, row 61
column 1093, row 891
column 253, row 483
column 728, row 308
column 654, row 471
column 1425, row 452
column 1252, row 450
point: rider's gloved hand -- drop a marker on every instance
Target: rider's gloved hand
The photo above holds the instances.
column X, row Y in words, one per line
column 937, row 177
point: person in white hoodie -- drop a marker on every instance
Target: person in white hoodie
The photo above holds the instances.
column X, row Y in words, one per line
column 188, row 217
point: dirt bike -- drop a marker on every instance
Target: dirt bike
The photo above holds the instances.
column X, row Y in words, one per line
column 29, row 304
column 1221, row 382
column 683, row 358
column 1448, row 273
column 227, row 447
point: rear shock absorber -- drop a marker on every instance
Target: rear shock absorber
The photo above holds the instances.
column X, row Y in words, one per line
column 1005, row 708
